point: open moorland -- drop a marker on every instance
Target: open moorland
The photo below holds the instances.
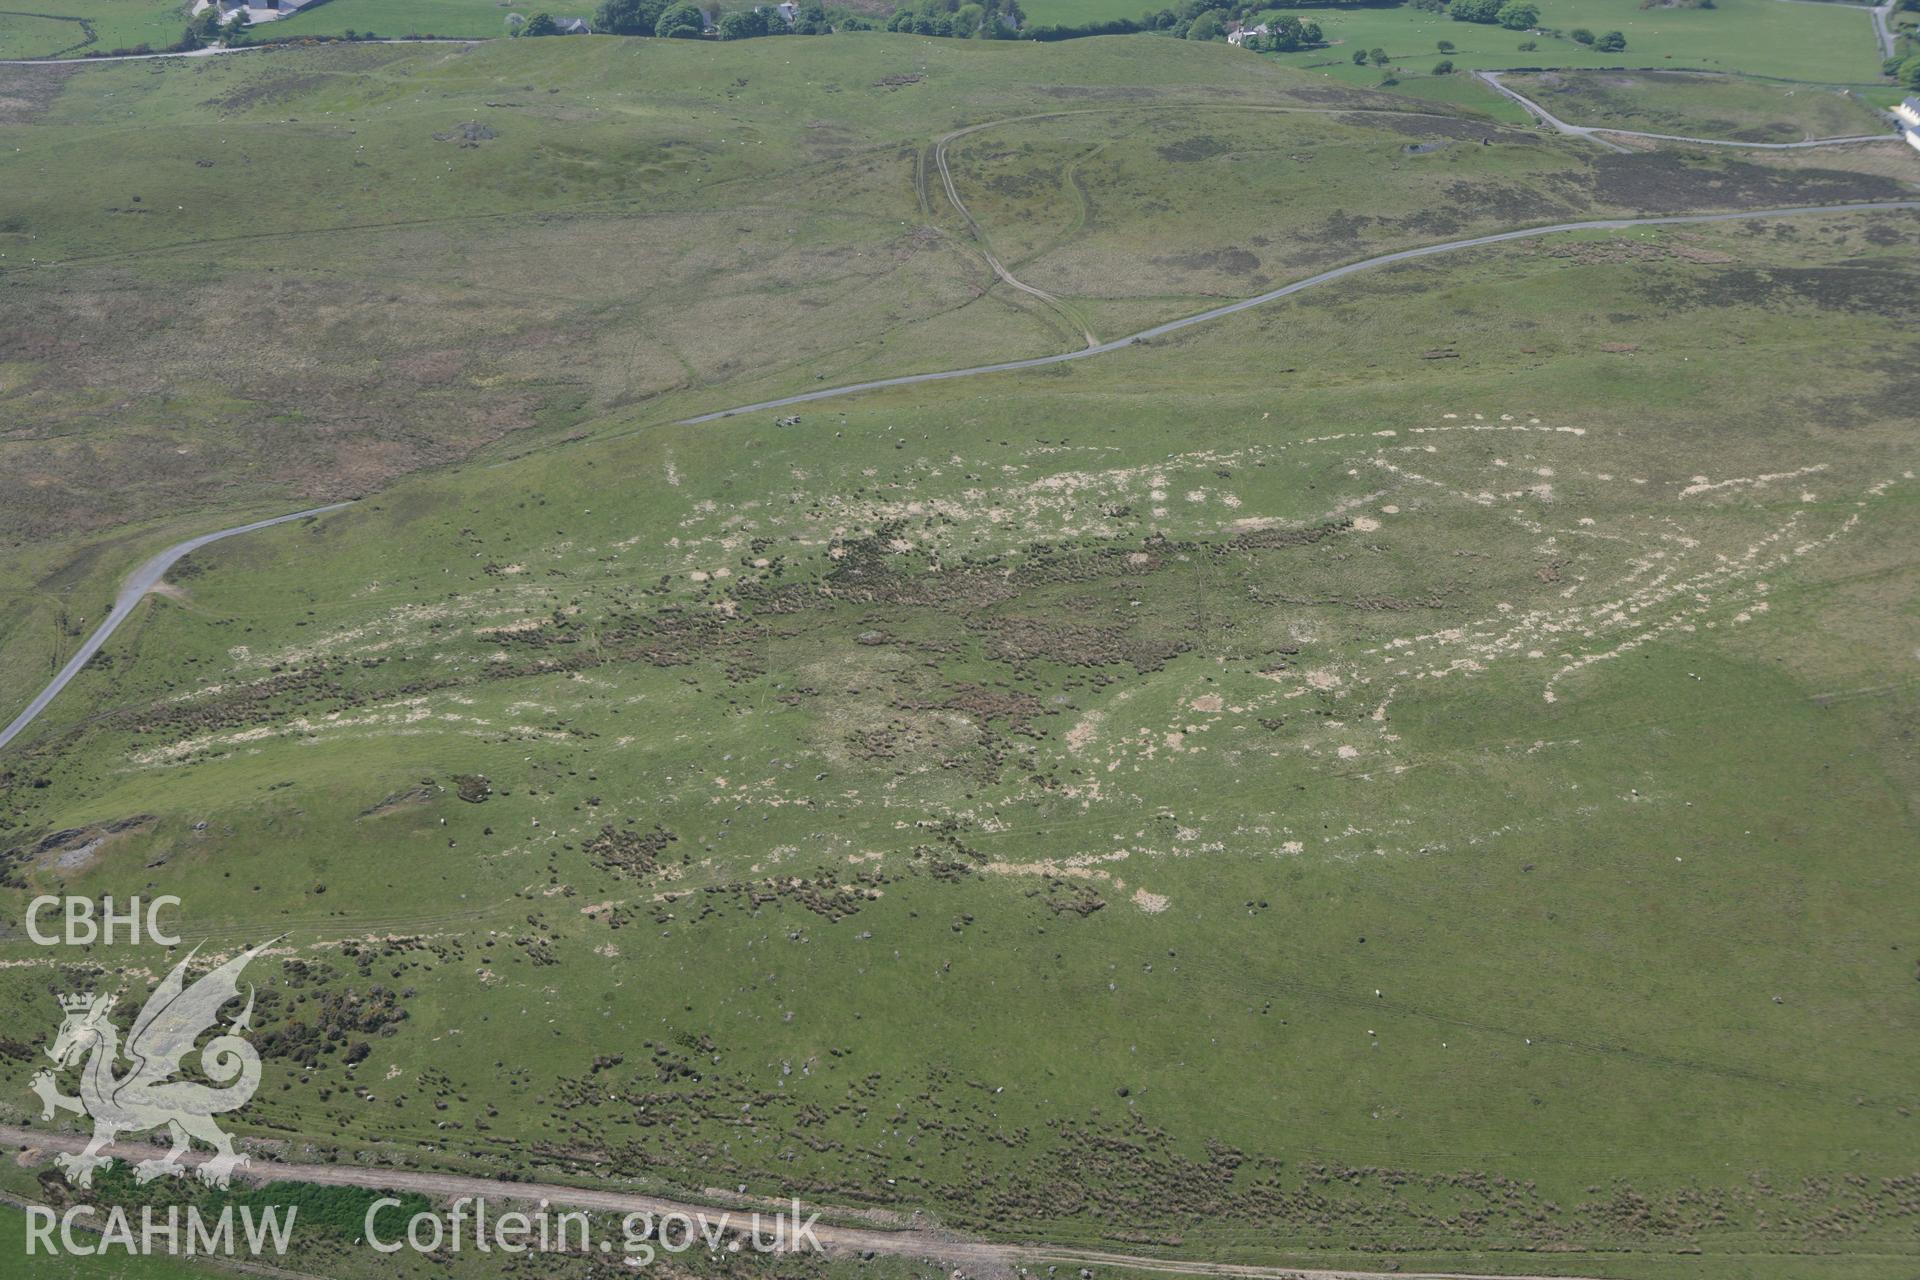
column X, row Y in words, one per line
column 1729, row 107
column 1418, row 774
column 290, row 276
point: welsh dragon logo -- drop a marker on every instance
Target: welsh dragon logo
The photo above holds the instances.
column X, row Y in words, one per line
column 149, row 1095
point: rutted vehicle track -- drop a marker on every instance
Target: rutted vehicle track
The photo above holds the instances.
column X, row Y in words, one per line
column 980, row 1257
column 980, row 236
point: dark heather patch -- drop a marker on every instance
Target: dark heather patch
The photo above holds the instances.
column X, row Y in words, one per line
column 1022, row 185
column 1341, row 230
column 269, row 91
column 1354, row 98
column 1868, row 288
column 1436, row 127
column 1884, row 234
column 1890, row 401
column 1190, row 150
column 1237, row 262
column 1772, row 131
column 28, row 91
column 1340, row 227
column 1437, row 223
column 1123, row 92
column 1503, row 203
column 1675, row 182
column 470, row 134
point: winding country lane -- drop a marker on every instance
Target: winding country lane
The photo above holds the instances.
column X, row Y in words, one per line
column 1592, row 132
column 138, row 583
column 1883, row 28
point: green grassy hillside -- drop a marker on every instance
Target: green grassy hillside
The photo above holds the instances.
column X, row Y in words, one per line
column 1418, row 773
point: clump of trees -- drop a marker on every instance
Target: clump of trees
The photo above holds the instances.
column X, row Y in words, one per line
column 974, row 20
column 1611, row 42
column 207, row 29
column 682, row 20
column 745, row 24
column 1196, row 20
column 629, row 17
column 1515, row 15
column 1289, row 33
column 1905, row 70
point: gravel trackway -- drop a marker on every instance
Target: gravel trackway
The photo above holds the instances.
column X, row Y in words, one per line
column 1592, row 132
column 980, row 236
column 975, row 1256
column 138, row 583
column 1883, row 28
column 1272, row 295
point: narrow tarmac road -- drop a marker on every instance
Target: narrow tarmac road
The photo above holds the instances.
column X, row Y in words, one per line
column 1883, row 28
column 138, row 583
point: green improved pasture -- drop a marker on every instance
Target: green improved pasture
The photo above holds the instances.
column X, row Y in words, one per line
column 53, row 28
column 477, row 19
column 1831, row 44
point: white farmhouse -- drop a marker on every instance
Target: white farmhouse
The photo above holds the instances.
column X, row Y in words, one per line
column 1908, row 114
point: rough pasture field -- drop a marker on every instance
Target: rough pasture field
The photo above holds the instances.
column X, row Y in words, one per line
column 1415, row 799
column 13, row 1239
column 1730, row 107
